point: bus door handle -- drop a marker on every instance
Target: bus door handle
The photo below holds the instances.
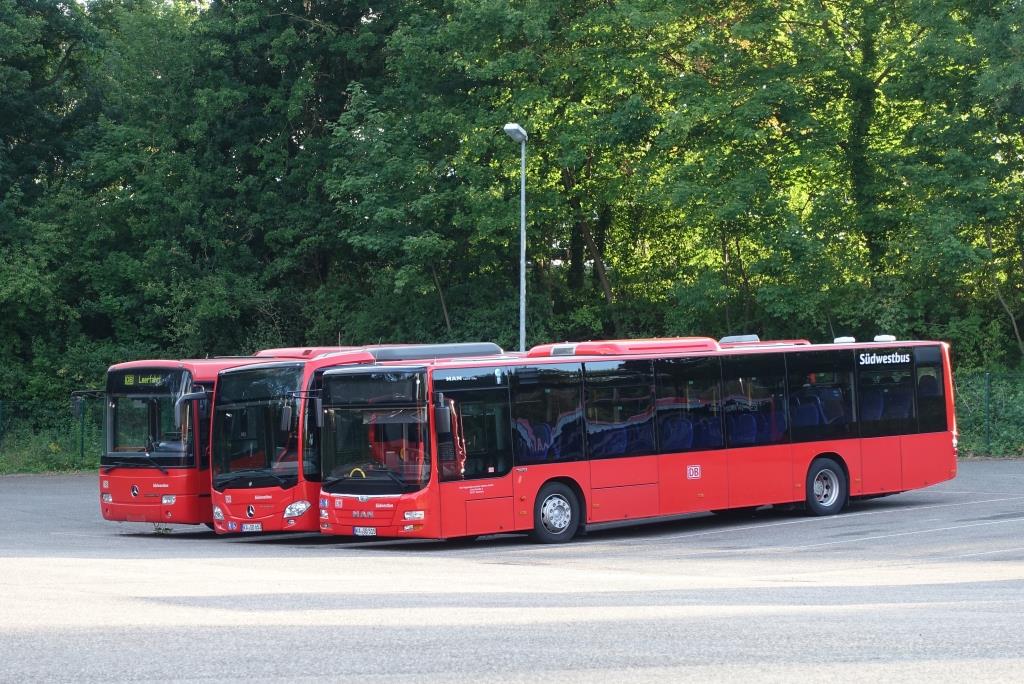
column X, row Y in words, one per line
column 521, row 469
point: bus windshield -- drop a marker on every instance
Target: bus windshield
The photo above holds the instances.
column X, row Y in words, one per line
column 374, row 438
column 250, row 443
column 140, row 420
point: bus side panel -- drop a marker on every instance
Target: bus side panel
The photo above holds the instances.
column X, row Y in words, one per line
column 882, row 463
column 694, row 481
column 848, row 451
column 623, row 503
column 760, row 475
column 620, row 472
column 489, row 516
column 529, row 479
column 928, row 458
column 481, row 506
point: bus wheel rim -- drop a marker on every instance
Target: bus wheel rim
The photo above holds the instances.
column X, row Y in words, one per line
column 555, row 514
column 826, row 487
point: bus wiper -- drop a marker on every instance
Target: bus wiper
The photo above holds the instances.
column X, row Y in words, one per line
column 134, row 464
column 154, row 463
column 335, row 480
column 250, row 475
column 117, row 464
column 394, row 477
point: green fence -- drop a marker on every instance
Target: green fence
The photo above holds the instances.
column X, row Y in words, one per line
column 37, row 437
column 990, row 413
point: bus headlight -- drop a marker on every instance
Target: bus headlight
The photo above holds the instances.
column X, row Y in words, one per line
column 413, row 515
column 107, row 498
column 217, row 513
column 295, row 509
column 168, row 499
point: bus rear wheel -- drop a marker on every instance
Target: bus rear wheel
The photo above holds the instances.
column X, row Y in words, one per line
column 827, row 490
column 556, row 514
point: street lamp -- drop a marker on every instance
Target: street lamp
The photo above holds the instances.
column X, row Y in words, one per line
column 518, row 133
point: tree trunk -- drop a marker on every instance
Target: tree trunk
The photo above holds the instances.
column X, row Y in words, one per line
column 583, row 227
column 576, row 259
column 863, row 95
column 440, row 294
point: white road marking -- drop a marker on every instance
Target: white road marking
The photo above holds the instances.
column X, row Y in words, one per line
column 986, row 553
column 894, row 535
column 841, row 517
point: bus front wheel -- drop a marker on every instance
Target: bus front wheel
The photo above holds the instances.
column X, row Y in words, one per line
column 556, row 514
column 826, row 487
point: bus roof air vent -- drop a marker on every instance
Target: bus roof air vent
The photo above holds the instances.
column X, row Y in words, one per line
column 740, row 339
column 646, row 346
column 764, row 343
column 552, row 349
column 436, row 351
column 844, row 340
column 885, row 338
column 563, row 349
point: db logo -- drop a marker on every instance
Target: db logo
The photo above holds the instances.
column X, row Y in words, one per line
column 693, row 472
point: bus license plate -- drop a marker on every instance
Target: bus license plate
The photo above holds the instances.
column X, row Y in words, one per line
column 365, row 531
column 252, row 527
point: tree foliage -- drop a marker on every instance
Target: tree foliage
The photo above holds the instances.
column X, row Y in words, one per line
column 181, row 179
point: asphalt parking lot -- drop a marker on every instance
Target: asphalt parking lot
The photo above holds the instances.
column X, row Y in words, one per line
column 922, row 585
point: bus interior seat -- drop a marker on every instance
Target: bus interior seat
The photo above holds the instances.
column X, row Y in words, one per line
column 928, row 386
column 871, row 405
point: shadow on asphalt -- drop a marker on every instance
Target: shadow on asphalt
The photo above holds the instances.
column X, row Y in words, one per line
column 634, row 530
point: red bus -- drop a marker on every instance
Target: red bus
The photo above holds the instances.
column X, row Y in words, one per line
column 266, row 435
column 593, row 432
column 155, row 465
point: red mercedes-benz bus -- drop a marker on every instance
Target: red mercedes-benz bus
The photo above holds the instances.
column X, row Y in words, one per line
column 618, row 430
column 266, row 436
column 155, row 465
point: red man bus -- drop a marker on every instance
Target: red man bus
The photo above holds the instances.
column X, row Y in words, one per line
column 593, row 432
column 266, row 434
column 155, row 465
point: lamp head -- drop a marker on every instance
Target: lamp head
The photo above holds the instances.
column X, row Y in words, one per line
column 516, row 132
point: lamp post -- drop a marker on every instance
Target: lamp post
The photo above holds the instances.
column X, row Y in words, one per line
column 518, row 133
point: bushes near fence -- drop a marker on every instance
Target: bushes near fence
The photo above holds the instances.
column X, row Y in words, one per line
column 37, row 438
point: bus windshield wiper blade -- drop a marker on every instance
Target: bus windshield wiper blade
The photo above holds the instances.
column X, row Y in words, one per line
column 155, row 464
column 250, row 475
column 394, row 477
column 345, row 478
column 134, row 464
column 117, row 464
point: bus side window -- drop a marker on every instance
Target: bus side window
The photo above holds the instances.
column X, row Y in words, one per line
column 754, row 400
column 620, row 408
column 689, row 404
column 484, row 419
column 931, row 390
column 547, row 413
column 885, row 385
column 480, row 444
column 821, row 395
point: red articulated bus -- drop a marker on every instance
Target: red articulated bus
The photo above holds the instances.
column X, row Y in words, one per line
column 266, row 435
column 155, row 465
column 616, row 430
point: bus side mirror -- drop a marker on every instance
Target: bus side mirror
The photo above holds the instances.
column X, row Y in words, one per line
column 191, row 396
column 286, row 418
column 77, row 406
column 443, row 420
column 318, row 406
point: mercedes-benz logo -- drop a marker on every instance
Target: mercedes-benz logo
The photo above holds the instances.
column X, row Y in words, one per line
column 250, row 511
column 134, row 490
